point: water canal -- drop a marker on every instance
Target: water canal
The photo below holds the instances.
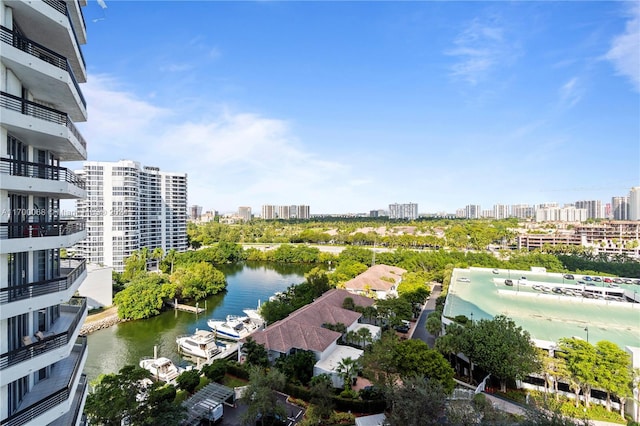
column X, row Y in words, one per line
column 247, row 283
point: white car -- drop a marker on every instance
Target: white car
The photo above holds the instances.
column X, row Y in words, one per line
column 464, row 280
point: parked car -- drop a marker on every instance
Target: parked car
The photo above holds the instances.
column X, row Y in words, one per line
column 607, row 280
column 597, row 279
column 402, row 328
column 568, row 277
column 618, row 280
column 464, row 280
column 508, row 282
column 557, row 290
column 587, row 278
column 495, row 271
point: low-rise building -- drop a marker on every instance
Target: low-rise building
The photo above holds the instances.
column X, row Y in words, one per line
column 379, row 281
column 304, row 330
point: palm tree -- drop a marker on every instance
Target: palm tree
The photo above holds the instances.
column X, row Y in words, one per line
column 364, row 336
column 351, row 336
column 157, row 254
column 171, row 257
column 347, row 369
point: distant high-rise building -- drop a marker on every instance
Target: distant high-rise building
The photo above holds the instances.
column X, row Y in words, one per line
column 500, row 211
column 593, row 207
column 42, row 356
column 472, row 211
column 269, row 212
column 634, row 203
column 304, row 212
column 407, row 211
column 522, row 211
column 461, row 213
column 620, row 208
column 245, row 213
column 195, row 212
column 561, row 214
column 283, row 212
column 129, row 207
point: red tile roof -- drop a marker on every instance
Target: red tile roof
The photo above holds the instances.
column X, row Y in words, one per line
column 377, row 278
column 303, row 329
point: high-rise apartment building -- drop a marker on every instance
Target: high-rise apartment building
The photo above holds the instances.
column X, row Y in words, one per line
column 195, row 212
column 500, row 211
column 472, row 211
column 407, row 211
column 522, row 211
column 245, row 213
column 41, row 355
column 620, row 208
column 593, row 207
column 634, row 203
column 270, row 212
column 129, row 207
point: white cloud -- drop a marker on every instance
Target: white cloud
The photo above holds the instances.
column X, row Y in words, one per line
column 570, row 93
column 232, row 158
column 625, row 48
column 479, row 49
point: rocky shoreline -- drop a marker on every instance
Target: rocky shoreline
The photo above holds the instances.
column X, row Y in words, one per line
column 91, row 326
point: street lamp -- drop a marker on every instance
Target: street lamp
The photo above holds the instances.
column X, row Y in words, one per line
column 587, row 330
column 471, row 317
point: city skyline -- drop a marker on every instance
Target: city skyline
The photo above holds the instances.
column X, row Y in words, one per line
column 441, row 104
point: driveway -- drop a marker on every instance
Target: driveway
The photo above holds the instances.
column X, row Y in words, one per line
column 420, row 331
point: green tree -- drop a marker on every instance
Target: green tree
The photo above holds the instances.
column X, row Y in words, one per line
column 580, row 358
column 322, row 397
column 216, row 370
column 434, row 325
column 197, row 281
column 347, row 369
column 417, row 401
column 124, row 396
column 297, row 367
column 188, row 380
column 256, row 354
column 413, row 357
column 144, row 297
column 260, row 396
column 502, row 349
column 364, row 336
column 612, row 369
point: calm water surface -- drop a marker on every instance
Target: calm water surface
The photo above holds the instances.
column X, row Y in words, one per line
column 126, row 343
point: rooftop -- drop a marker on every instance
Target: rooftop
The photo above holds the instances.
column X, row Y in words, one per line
column 377, row 278
column 546, row 316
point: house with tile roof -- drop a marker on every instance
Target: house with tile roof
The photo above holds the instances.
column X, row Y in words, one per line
column 303, row 330
column 379, row 281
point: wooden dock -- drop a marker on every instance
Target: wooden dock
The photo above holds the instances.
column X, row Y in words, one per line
column 186, row 308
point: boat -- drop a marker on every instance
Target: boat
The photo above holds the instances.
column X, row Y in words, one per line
column 162, row 369
column 233, row 327
column 201, row 344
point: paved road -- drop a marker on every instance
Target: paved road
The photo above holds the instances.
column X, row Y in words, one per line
column 420, row 331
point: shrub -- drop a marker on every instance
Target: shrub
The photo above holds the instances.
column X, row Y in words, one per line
column 189, row 380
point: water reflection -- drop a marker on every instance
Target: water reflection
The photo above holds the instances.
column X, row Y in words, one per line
column 126, row 343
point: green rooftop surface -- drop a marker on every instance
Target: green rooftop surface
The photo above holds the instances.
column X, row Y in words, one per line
column 546, row 316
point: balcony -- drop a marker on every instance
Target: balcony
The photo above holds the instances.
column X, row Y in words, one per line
column 53, row 23
column 74, row 416
column 56, row 343
column 51, row 130
column 53, row 394
column 38, row 295
column 31, row 62
column 43, row 179
column 33, row 234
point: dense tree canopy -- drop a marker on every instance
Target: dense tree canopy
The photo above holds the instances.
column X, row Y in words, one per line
column 125, row 397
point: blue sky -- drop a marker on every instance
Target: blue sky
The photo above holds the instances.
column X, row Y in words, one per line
column 351, row 106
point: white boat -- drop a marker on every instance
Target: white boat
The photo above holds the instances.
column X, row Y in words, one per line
column 234, row 327
column 201, row 344
column 161, row 368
